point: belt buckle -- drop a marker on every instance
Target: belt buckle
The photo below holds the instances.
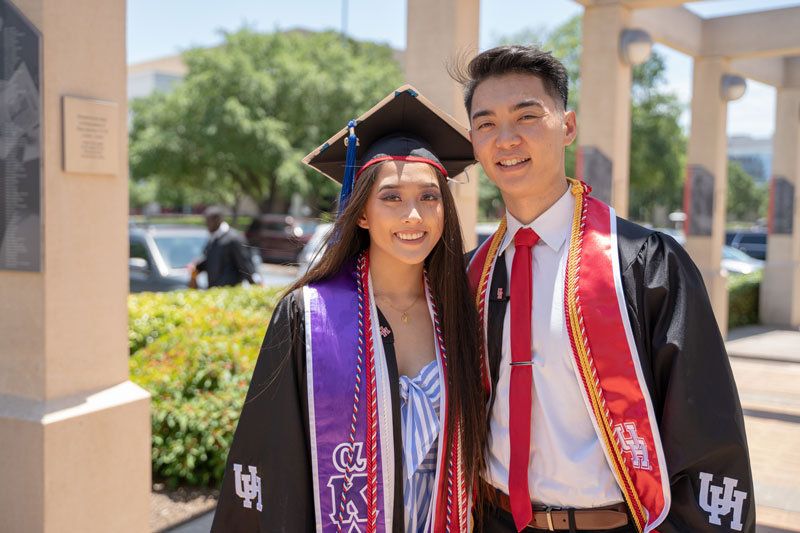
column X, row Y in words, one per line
column 548, row 510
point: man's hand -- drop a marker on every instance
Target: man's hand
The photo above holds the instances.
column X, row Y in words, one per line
column 193, row 275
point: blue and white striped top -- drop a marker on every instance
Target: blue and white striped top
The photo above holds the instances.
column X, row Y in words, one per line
column 420, row 398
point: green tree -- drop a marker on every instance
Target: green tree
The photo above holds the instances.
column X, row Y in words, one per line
column 249, row 109
column 175, row 195
column 658, row 146
column 747, row 200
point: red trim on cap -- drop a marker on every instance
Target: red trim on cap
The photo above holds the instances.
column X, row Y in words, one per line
column 412, row 158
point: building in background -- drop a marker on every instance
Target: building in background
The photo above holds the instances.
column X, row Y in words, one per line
column 156, row 75
column 754, row 154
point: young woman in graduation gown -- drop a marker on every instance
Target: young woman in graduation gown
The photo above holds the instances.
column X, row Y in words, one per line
column 365, row 411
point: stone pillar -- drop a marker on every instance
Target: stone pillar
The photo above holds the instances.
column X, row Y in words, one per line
column 779, row 301
column 604, row 127
column 74, row 432
column 438, row 34
column 707, row 181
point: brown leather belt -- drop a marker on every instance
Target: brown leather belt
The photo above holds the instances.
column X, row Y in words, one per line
column 555, row 518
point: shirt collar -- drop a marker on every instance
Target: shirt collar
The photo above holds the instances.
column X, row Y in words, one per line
column 221, row 230
column 552, row 226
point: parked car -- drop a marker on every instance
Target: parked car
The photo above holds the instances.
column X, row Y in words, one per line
column 280, row 238
column 676, row 234
column 737, row 262
column 314, row 249
column 160, row 256
column 484, row 230
column 753, row 243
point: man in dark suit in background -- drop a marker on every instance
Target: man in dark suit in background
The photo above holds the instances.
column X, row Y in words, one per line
column 225, row 258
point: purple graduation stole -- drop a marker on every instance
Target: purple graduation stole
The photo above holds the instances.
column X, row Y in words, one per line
column 336, row 428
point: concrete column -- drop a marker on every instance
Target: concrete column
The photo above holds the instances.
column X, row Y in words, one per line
column 74, row 432
column 437, row 34
column 707, row 181
column 780, row 289
column 604, row 121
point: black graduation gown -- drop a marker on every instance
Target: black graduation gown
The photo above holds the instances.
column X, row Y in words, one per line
column 272, row 433
column 685, row 366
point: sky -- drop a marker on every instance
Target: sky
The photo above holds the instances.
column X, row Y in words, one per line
column 158, row 28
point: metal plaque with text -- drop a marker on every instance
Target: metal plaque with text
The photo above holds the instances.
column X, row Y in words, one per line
column 91, row 136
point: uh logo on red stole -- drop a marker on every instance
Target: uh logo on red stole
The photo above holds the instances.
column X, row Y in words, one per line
column 355, row 508
column 633, row 445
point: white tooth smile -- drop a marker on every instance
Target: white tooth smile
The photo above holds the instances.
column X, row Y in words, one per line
column 410, row 236
column 511, row 162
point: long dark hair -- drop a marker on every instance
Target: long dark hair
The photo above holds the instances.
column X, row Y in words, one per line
column 458, row 316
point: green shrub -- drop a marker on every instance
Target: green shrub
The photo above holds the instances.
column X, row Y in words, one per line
column 195, row 351
column 743, row 299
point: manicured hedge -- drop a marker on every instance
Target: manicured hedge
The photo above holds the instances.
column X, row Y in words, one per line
column 743, row 298
column 195, row 351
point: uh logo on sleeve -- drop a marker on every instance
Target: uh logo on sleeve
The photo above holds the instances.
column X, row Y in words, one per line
column 248, row 486
column 719, row 501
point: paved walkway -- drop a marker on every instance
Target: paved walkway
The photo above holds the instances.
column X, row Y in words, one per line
column 201, row 524
column 766, row 365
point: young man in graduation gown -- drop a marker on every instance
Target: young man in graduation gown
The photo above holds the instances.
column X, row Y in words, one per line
column 613, row 406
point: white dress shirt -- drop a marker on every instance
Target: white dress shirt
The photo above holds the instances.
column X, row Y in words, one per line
column 568, row 466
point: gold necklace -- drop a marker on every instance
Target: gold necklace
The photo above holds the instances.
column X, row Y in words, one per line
column 403, row 312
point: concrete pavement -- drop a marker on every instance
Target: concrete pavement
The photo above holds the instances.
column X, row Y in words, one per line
column 766, row 365
column 201, row 524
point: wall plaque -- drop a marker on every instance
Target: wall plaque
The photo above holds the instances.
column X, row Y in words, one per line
column 782, row 205
column 701, row 200
column 20, row 142
column 91, row 136
column 595, row 169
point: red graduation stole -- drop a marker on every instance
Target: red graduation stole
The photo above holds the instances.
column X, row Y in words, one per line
column 606, row 359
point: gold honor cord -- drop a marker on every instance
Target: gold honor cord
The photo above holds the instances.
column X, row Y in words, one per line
column 497, row 238
column 587, row 367
column 463, row 521
column 480, row 294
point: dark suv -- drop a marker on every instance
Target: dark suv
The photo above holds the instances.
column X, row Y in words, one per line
column 280, row 237
column 753, row 243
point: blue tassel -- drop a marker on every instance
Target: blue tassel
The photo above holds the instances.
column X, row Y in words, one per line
column 349, row 167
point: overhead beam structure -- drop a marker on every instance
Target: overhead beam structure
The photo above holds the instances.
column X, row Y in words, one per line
column 760, row 34
column 634, row 4
column 732, row 36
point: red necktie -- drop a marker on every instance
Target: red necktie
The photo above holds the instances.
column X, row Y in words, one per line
column 521, row 377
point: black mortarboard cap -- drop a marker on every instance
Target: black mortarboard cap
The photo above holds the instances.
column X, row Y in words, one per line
column 404, row 125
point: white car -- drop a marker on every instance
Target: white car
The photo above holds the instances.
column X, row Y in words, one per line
column 736, row 261
column 314, row 249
